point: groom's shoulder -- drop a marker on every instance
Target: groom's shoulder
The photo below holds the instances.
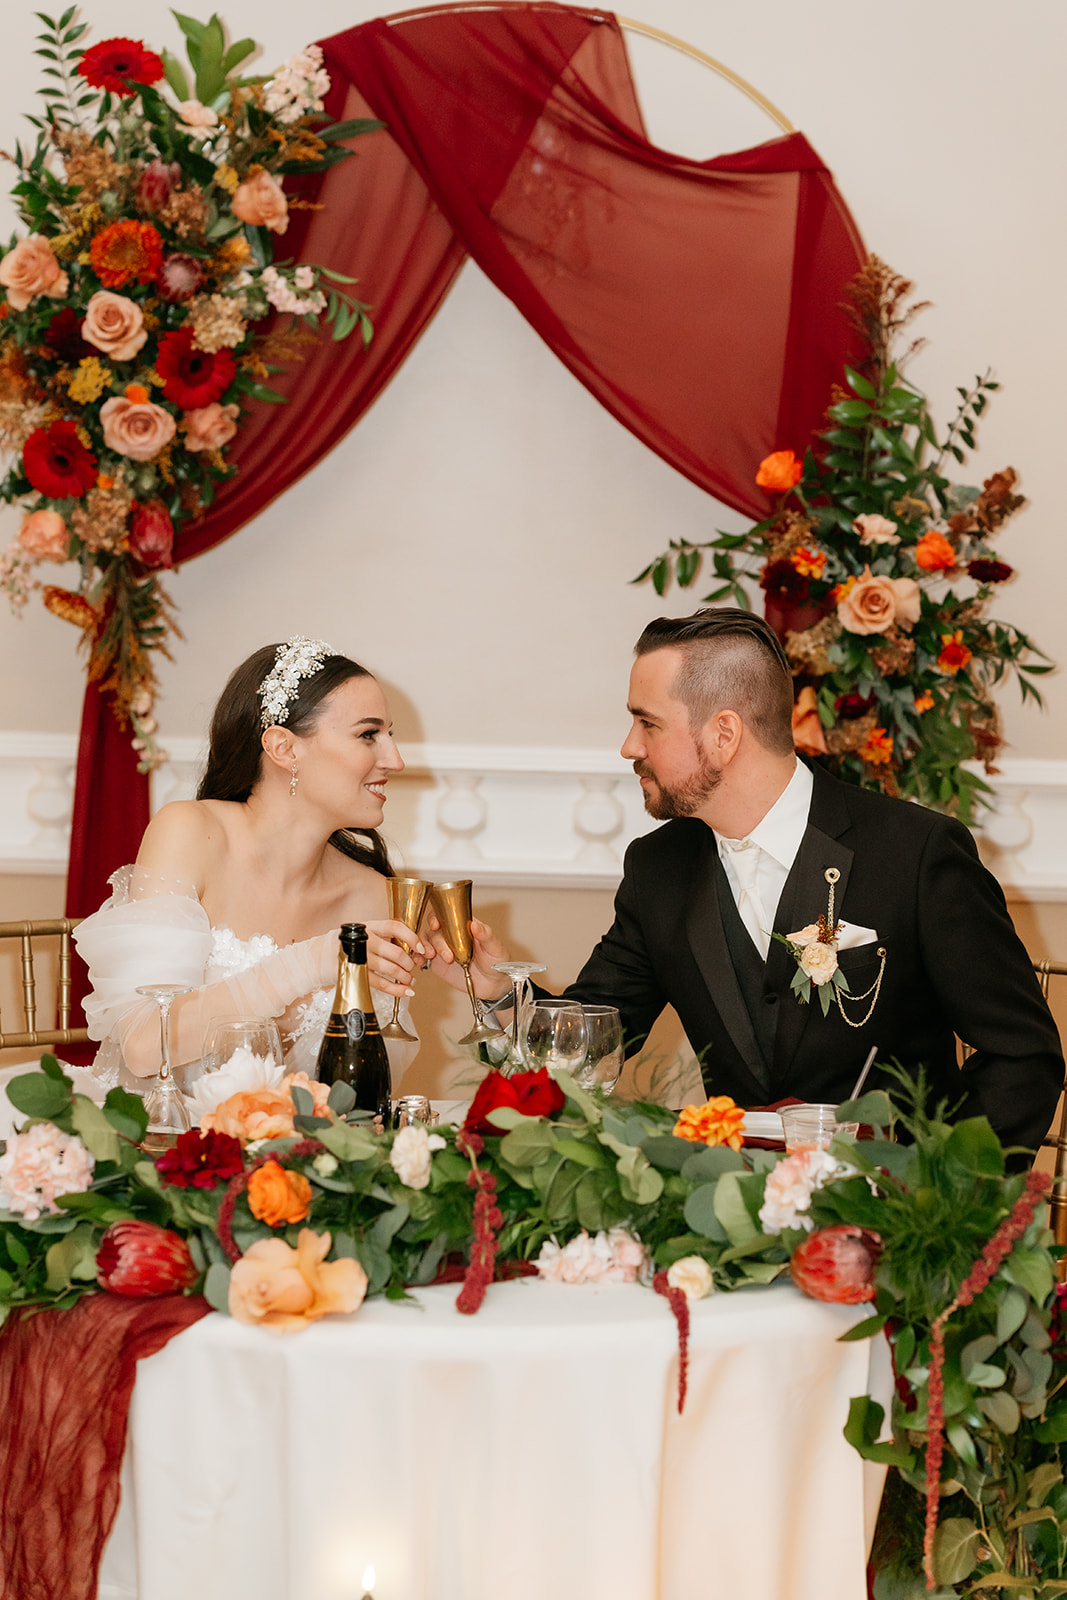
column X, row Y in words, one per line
column 681, row 839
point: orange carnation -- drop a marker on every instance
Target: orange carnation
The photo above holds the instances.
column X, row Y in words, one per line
column 125, row 251
column 934, row 553
column 924, row 702
column 780, row 472
column 720, row 1121
column 277, row 1196
column 877, row 751
column 954, row 653
column 809, row 563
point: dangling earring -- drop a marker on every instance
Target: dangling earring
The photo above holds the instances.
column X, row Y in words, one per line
column 293, row 781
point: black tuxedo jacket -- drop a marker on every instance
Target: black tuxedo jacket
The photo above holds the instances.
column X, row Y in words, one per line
column 954, row 964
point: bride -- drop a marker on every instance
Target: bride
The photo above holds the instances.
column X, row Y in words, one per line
column 239, row 893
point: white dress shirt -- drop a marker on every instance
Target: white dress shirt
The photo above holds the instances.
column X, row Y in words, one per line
column 757, row 866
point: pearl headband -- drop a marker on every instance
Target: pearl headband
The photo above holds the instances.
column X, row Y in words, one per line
column 295, row 659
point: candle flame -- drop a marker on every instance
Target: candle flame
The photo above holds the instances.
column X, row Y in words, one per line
column 368, row 1579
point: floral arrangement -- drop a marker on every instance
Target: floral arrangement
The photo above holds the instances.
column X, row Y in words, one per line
column 128, row 339
column 878, row 572
column 286, row 1206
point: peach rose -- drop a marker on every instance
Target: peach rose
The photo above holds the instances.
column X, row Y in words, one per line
column 874, row 529
column 319, row 1092
column 210, row 427
column 277, row 1196
column 874, row 605
column 31, row 269
column 44, row 535
column 253, row 1114
column 115, row 325
column 808, row 736
column 275, row 1286
column 137, row 431
column 261, row 202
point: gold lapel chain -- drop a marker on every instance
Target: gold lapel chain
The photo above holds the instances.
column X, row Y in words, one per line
column 832, row 875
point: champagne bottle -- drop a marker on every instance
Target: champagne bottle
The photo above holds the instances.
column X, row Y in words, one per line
column 353, row 1050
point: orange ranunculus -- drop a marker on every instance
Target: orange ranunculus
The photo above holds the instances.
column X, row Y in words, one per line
column 808, row 736
column 277, row 1196
column 809, row 563
column 924, row 702
column 253, row 1114
column 780, row 471
column 275, row 1286
column 878, row 749
column 934, row 553
column 954, row 653
column 720, row 1121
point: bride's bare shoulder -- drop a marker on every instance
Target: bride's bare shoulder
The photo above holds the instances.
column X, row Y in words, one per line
column 186, row 837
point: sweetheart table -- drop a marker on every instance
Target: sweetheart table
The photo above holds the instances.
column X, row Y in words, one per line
column 531, row 1452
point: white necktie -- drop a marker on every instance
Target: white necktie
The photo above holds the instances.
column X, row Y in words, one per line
column 744, row 857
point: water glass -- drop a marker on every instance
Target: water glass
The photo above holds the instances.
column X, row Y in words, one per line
column 258, row 1035
column 554, row 1035
column 813, row 1127
column 603, row 1055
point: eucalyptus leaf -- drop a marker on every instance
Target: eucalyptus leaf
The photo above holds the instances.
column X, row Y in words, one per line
column 216, row 1290
column 700, row 1214
column 711, row 1162
column 94, row 1128
column 955, row 1549
column 1001, row 1408
column 732, row 1212
column 36, row 1094
column 348, row 1143
column 341, row 1098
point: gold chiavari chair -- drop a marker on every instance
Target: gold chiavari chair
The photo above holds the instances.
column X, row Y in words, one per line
column 1046, row 971
column 31, row 1035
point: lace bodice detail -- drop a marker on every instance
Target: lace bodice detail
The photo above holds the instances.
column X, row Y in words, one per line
column 231, row 955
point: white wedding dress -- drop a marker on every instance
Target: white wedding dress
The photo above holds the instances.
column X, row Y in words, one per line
column 153, row 929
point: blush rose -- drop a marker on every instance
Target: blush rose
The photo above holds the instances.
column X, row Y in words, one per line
column 261, row 202
column 31, row 269
column 114, row 325
column 874, row 605
column 210, row 427
column 134, row 430
column 44, row 536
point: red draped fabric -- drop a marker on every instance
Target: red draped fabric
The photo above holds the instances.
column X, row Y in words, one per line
column 698, row 300
column 65, row 1383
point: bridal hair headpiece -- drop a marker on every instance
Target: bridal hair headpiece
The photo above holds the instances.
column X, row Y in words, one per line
column 295, row 659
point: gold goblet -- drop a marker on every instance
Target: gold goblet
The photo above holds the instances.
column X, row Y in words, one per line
column 407, row 901
column 452, row 903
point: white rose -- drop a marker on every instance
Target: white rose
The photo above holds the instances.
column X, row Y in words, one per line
column 693, row 1276
column 411, row 1157
column 325, row 1165
column 874, row 529
column 818, row 962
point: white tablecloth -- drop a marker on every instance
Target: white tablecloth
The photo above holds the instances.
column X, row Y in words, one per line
column 532, row 1452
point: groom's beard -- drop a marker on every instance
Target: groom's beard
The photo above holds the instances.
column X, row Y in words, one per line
column 683, row 799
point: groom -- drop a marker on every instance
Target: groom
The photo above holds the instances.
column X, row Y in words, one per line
column 757, row 843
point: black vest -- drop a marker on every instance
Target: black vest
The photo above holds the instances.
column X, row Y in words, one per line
column 750, row 970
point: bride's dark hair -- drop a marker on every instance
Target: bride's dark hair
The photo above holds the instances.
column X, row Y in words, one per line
column 235, row 751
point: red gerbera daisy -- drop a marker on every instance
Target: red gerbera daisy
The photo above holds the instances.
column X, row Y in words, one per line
column 64, row 336
column 57, row 463
column 124, row 251
column 194, row 378
column 109, row 64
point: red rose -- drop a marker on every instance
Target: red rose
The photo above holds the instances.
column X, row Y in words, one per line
column 155, row 184
column 535, row 1094
column 56, row 462
column 837, row 1264
column 139, row 1259
column 151, row 534
column 110, row 63
column 179, row 278
column 201, row 1160
column 194, row 378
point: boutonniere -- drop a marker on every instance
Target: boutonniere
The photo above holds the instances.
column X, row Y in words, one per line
column 814, row 949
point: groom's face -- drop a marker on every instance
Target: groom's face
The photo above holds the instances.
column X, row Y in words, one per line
column 677, row 773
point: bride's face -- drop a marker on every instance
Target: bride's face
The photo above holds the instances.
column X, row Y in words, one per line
column 348, row 757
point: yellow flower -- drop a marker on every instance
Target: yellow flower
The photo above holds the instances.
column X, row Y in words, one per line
column 720, row 1121
column 89, row 381
column 227, row 179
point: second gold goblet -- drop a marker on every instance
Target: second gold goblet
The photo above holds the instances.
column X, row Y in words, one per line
column 407, row 901
column 452, row 903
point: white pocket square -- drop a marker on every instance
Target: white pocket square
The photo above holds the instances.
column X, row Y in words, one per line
column 850, row 936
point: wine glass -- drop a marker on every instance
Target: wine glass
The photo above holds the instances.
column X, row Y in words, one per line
column 407, row 901
column 452, row 902
column 554, row 1035
column 168, row 1115
column 603, row 1057
column 258, row 1035
column 520, row 973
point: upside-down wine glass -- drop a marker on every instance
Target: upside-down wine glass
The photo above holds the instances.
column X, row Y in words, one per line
column 452, row 902
column 520, row 973
column 407, row 902
column 554, row 1035
column 168, row 1115
column 602, row 1066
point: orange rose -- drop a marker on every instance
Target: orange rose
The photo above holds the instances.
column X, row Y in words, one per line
column 137, row 431
column 780, row 472
column 874, row 605
column 210, row 427
column 878, row 749
column 275, row 1286
column 934, row 553
column 262, row 203
column 44, row 535
column 720, row 1121
column 114, row 325
column 31, row 269
column 954, row 653
column 277, row 1196
column 253, row 1114
column 808, row 736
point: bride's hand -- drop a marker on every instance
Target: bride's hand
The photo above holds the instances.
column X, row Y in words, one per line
column 388, row 963
column 488, row 985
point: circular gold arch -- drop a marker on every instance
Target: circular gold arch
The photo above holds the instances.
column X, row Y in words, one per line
column 723, row 71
